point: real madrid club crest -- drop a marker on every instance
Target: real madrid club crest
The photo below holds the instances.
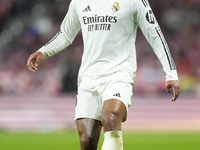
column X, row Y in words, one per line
column 115, row 6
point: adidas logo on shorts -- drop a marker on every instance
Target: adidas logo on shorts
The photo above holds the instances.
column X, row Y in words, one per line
column 87, row 9
column 117, row 95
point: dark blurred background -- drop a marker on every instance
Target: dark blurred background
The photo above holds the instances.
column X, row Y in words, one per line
column 26, row 25
column 45, row 100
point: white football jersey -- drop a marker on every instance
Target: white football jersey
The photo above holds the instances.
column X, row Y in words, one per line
column 109, row 32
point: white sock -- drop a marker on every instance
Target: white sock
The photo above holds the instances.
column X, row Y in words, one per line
column 112, row 141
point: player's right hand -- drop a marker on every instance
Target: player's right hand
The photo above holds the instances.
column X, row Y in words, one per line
column 34, row 60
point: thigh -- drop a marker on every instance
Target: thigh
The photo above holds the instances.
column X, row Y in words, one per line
column 112, row 114
column 118, row 90
column 89, row 132
column 89, row 126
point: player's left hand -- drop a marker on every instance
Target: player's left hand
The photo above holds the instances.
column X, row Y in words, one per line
column 174, row 84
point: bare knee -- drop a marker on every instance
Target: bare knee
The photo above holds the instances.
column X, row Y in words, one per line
column 89, row 132
column 110, row 121
column 87, row 138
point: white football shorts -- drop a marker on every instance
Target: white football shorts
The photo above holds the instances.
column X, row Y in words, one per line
column 93, row 92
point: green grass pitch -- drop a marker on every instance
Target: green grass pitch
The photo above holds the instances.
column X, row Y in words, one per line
column 68, row 140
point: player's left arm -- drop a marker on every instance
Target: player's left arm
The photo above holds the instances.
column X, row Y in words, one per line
column 149, row 26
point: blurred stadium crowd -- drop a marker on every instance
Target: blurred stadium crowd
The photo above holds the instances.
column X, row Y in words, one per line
column 27, row 25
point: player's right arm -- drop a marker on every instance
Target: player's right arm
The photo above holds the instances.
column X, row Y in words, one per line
column 68, row 31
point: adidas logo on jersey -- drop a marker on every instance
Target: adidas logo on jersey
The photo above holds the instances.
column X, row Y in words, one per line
column 87, row 9
column 117, row 95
